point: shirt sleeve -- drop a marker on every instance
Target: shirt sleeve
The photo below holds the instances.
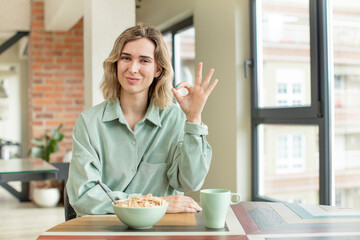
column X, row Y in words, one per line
column 192, row 159
column 85, row 195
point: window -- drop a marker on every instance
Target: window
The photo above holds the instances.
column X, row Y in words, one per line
column 287, row 170
column 283, row 50
column 345, row 65
column 289, row 94
column 306, row 90
column 180, row 40
column 282, row 147
column 282, row 88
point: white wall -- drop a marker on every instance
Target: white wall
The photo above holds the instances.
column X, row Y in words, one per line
column 222, row 35
column 104, row 21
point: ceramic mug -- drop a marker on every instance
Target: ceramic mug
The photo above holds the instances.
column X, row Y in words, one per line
column 215, row 204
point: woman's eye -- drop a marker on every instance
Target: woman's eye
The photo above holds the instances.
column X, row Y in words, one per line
column 125, row 58
column 145, row 61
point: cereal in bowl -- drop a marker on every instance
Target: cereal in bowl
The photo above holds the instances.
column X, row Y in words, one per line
column 142, row 201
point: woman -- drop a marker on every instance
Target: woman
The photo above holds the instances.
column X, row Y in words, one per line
column 138, row 141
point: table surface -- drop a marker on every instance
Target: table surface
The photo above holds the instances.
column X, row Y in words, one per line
column 25, row 170
column 246, row 220
column 25, row 166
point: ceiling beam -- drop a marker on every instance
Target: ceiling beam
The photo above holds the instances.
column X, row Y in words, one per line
column 11, row 41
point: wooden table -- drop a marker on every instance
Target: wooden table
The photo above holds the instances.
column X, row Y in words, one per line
column 25, row 170
column 246, row 220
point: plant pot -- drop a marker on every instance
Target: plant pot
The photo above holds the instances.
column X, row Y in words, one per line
column 46, row 197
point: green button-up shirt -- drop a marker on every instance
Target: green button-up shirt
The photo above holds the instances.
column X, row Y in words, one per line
column 164, row 155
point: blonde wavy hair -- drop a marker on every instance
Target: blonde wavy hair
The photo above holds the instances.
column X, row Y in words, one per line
column 160, row 89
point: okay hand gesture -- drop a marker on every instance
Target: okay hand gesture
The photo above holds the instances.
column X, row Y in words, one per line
column 193, row 103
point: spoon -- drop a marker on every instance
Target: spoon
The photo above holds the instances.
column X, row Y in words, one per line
column 102, row 186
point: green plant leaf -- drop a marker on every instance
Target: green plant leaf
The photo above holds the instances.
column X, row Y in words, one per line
column 37, row 152
column 47, row 138
column 56, row 147
column 58, row 136
column 59, row 127
column 48, row 145
column 38, row 142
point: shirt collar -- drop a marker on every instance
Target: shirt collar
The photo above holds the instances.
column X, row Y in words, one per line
column 153, row 114
column 113, row 111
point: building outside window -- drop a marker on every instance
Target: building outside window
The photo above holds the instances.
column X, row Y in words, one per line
column 288, row 162
column 290, row 153
column 289, row 92
column 306, row 101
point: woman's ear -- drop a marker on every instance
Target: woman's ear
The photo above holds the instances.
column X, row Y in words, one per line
column 158, row 72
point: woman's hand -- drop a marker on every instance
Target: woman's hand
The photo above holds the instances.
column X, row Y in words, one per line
column 193, row 103
column 180, row 203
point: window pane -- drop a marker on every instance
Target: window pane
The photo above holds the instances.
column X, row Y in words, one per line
column 185, row 56
column 283, row 53
column 289, row 162
column 346, row 102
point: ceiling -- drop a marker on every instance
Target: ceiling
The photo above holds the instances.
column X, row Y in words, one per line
column 59, row 15
column 14, row 16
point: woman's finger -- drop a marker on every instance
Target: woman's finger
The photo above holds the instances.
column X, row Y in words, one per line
column 180, row 203
column 183, row 84
column 196, row 206
column 189, row 209
column 199, row 74
column 177, row 95
column 192, row 204
column 211, row 87
column 207, row 79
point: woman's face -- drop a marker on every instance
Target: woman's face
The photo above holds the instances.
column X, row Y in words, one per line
column 136, row 67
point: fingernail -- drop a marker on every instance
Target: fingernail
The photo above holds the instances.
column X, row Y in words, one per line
column 176, row 86
column 195, row 210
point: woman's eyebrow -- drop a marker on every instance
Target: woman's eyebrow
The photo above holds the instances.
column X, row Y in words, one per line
column 142, row 56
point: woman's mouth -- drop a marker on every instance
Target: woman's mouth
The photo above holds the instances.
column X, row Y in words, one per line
column 132, row 79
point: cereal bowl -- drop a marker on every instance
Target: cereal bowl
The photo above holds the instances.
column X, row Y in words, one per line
column 140, row 216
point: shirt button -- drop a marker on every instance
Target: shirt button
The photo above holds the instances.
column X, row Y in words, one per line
column 133, row 142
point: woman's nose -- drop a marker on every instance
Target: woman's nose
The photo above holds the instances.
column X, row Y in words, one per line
column 134, row 67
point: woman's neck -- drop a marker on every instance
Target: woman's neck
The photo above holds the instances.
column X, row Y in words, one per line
column 134, row 107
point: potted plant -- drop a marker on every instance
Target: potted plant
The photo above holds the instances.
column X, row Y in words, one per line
column 47, row 195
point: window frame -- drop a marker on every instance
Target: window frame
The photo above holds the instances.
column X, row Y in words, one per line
column 174, row 29
column 317, row 114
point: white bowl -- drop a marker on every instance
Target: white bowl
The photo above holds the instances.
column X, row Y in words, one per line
column 46, row 197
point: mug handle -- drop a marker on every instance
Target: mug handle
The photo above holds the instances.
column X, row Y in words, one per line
column 238, row 198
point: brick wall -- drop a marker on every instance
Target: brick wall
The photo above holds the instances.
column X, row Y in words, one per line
column 56, row 72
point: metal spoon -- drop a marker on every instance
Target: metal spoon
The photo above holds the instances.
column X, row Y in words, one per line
column 102, row 186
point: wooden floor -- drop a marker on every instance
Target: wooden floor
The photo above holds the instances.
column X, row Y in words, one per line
column 25, row 221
